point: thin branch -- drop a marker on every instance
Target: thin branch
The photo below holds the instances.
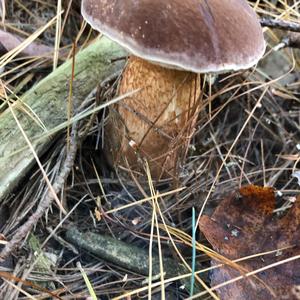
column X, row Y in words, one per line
column 292, row 40
column 47, row 201
column 280, row 24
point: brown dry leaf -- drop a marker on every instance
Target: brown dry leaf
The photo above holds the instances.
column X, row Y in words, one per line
column 243, row 225
column 9, row 41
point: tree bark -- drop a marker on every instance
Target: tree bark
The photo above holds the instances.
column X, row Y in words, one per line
column 48, row 100
column 127, row 256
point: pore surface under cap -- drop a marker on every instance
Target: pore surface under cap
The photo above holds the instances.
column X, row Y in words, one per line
column 195, row 35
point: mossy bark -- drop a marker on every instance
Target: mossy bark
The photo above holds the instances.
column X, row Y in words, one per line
column 120, row 253
column 48, row 101
column 126, row 256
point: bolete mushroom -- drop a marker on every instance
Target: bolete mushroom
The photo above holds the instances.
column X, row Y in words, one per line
column 171, row 42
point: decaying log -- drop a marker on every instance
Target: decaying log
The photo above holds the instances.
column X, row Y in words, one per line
column 48, row 100
column 127, row 256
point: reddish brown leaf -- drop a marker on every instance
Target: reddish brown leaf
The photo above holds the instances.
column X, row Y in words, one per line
column 243, row 225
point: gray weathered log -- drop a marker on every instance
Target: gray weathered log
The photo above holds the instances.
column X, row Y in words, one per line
column 280, row 24
column 48, row 100
column 120, row 253
column 126, row 256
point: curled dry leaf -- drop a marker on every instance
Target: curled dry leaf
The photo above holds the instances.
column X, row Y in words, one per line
column 243, row 225
column 9, row 41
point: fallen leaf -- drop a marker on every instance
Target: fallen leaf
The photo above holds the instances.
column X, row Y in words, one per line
column 9, row 41
column 244, row 225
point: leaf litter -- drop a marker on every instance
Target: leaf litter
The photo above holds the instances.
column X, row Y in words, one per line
column 244, row 226
column 259, row 156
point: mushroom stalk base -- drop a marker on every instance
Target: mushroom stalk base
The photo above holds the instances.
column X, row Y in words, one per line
column 157, row 122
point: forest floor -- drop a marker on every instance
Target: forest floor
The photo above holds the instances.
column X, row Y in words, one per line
column 248, row 132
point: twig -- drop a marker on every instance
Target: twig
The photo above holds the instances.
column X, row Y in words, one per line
column 292, row 40
column 47, row 201
column 280, row 24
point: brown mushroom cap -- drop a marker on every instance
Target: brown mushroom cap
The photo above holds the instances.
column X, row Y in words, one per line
column 195, row 35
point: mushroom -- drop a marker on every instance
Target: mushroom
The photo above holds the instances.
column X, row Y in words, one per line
column 171, row 42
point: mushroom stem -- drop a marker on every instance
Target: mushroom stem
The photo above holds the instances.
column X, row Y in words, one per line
column 157, row 122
